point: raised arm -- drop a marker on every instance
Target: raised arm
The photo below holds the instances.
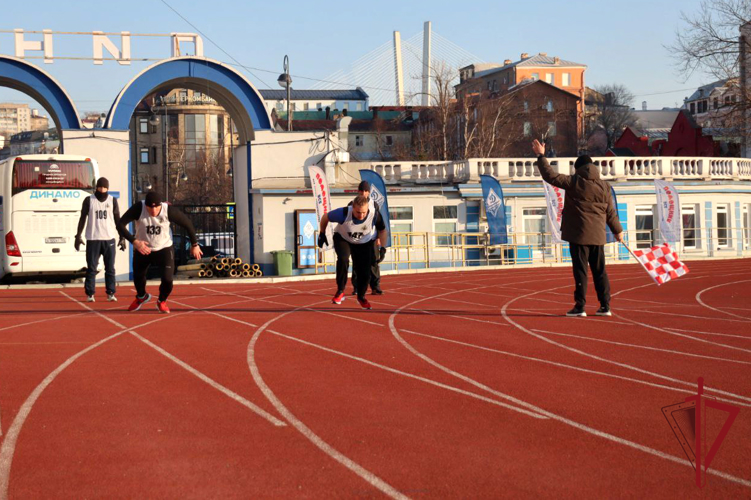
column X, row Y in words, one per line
column 562, row 181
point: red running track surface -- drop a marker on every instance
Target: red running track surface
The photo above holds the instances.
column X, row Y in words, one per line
column 456, row 385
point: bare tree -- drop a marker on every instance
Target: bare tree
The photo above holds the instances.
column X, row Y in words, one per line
column 207, row 180
column 708, row 40
column 614, row 113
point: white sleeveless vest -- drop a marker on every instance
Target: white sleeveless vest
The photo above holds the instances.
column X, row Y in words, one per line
column 101, row 223
column 154, row 230
column 361, row 232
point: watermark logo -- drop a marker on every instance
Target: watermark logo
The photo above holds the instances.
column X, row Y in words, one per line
column 693, row 437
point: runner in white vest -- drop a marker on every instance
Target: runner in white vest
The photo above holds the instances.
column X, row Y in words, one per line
column 153, row 244
column 103, row 214
column 379, row 252
column 357, row 227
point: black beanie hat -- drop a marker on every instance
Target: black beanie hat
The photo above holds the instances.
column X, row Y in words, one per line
column 153, row 199
column 583, row 160
column 364, row 186
column 103, row 183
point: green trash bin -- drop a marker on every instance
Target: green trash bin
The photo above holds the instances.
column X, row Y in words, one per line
column 283, row 262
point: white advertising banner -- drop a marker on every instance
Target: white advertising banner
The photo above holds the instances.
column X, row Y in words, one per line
column 554, row 198
column 668, row 211
column 322, row 199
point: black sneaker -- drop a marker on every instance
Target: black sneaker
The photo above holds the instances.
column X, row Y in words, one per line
column 577, row 312
column 377, row 291
column 604, row 311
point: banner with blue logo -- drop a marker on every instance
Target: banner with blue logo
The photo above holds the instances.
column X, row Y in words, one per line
column 610, row 237
column 495, row 209
column 378, row 195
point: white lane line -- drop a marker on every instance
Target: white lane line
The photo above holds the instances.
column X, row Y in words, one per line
column 507, row 317
column 378, row 365
column 637, row 346
column 744, row 337
column 569, row 367
column 445, row 369
column 608, row 436
column 410, row 375
column 219, row 387
column 365, row 474
column 11, row 437
column 698, row 299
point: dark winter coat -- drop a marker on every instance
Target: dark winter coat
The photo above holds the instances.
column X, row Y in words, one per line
column 588, row 205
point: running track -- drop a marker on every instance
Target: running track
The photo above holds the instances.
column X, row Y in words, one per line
column 456, row 384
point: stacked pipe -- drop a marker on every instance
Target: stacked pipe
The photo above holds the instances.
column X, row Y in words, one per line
column 218, row 267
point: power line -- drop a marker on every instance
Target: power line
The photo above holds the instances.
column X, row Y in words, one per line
column 213, row 42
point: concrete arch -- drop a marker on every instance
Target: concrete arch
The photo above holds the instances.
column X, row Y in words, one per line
column 19, row 75
column 230, row 89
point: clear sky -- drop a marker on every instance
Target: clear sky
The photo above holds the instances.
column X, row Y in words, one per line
column 619, row 42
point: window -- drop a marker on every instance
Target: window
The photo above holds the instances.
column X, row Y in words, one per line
column 550, row 78
column 690, row 228
column 279, row 106
column 566, row 79
column 533, row 220
column 715, row 103
column 319, row 106
column 183, row 96
column 358, row 140
column 692, row 107
column 144, row 156
column 389, row 140
column 359, row 106
column 490, row 85
column 505, row 79
column 403, row 217
column 143, row 125
column 293, row 106
column 195, row 136
column 549, row 106
column 535, row 76
column 444, row 217
column 306, row 106
column 723, row 226
column 552, row 131
column 527, row 129
column 644, row 226
column 747, row 225
column 345, row 106
column 727, row 99
column 153, row 154
column 526, row 106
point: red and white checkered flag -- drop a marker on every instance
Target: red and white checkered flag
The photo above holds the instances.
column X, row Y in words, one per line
column 661, row 262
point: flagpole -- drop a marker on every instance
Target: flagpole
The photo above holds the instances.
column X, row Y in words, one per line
column 640, row 262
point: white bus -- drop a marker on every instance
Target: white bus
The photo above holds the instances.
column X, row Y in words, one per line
column 40, row 204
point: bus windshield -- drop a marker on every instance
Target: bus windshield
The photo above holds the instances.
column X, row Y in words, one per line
column 51, row 174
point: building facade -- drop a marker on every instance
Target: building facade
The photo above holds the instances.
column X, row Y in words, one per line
column 184, row 136
column 14, row 118
column 315, row 100
column 498, row 79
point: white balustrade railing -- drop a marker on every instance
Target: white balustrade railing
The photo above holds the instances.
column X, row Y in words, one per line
column 525, row 169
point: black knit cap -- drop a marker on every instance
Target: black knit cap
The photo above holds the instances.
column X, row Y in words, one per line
column 153, row 199
column 583, row 160
column 364, row 186
column 103, row 183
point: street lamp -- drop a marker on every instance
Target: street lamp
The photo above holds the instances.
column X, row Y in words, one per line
column 285, row 80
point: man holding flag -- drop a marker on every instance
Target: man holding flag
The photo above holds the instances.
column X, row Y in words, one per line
column 588, row 208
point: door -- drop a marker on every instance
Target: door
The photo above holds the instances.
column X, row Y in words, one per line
column 306, row 229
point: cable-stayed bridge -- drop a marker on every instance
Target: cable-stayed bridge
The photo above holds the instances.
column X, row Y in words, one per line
column 401, row 71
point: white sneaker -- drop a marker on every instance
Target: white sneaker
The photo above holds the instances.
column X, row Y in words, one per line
column 90, row 299
column 111, row 298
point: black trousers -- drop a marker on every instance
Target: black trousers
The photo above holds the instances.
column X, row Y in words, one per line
column 594, row 255
column 375, row 271
column 95, row 249
column 164, row 258
column 362, row 260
